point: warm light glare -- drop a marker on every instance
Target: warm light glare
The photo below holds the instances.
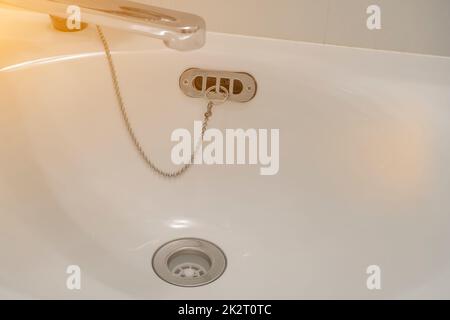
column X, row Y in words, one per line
column 43, row 61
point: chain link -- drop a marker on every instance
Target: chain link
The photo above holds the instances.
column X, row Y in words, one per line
column 140, row 149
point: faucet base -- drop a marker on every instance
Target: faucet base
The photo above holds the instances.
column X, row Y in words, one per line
column 61, row 24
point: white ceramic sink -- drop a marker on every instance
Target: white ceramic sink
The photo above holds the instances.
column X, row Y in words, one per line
column 364, row 168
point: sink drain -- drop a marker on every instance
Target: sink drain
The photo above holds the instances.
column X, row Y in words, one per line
column 189, row 262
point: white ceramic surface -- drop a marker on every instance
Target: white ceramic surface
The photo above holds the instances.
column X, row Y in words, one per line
column 364, row 178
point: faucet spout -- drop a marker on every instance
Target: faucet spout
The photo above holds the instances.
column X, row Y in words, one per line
column 179, row 30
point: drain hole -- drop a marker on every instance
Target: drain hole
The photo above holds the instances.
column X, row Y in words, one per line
column 198, row 83
column 195, row 83
column 237, row 87
column 225, row 83
column 210, row 82
column 189, row 263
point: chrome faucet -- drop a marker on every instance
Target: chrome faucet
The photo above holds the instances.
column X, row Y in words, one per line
column 179, row 30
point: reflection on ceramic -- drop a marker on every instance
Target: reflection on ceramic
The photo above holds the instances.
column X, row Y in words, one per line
column 33, row 63
column 364, row 175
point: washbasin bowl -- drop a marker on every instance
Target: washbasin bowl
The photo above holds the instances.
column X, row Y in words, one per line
column 363, row 180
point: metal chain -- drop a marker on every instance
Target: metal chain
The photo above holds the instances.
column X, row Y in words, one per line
column 145, row 157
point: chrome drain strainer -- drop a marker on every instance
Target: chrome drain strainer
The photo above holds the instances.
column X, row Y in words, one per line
column 189, row 262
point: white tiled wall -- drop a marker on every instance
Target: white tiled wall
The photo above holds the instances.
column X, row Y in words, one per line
column 421, row 26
